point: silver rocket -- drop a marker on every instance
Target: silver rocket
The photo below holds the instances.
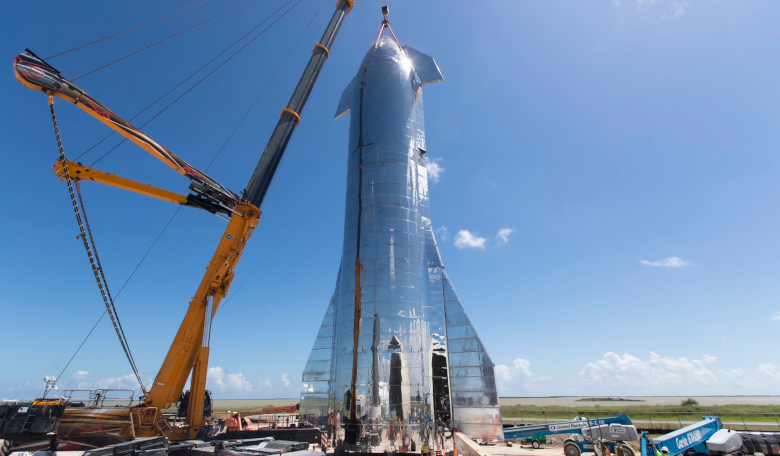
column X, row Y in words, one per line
column 397, row 360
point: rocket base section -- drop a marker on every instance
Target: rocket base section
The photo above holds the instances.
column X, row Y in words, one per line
column 475, row 410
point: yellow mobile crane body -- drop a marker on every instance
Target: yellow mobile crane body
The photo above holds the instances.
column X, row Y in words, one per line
column 189, row 352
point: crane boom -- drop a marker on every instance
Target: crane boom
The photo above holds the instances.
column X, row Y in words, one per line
column 290, row 116
column 188, row 354
column 34, row 73
column 565, row 427
column 77, row 172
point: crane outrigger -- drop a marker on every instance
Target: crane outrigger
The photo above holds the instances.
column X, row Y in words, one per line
column 188, row 355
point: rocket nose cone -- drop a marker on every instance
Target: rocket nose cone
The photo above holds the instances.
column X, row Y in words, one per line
column 389, row 47
column 387, row 42
column 388, row 50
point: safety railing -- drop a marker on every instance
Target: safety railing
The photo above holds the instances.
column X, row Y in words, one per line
column 96, row 398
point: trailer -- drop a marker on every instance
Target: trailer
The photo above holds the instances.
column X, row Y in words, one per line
column 607, row 433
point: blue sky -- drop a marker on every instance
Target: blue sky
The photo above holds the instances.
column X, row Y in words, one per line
column 627, row 149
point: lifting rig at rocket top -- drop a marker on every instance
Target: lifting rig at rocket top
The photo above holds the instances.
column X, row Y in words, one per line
column 189, row 352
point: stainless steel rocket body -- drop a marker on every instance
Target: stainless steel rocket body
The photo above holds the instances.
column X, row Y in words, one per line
column 396, row 360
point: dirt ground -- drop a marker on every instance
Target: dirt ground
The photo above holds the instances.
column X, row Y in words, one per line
column 517, row 450
column 553, row 447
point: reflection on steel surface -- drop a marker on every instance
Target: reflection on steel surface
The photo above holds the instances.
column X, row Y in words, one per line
column 396, row 360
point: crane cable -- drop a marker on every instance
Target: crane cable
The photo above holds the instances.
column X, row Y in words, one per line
column 91, row 249
column 228, row 140
column 262, row 91
column 270, row 297
column 160, row 41
column 209, row 74
column 127, row 30
column 182, row 82
column 118, row 294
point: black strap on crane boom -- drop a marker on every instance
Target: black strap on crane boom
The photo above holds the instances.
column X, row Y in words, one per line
column 89, row 246
column 290, row 115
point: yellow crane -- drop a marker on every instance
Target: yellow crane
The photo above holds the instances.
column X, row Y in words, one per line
column 188, row 355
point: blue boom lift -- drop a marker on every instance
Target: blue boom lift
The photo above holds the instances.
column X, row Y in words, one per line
column 692, row 437
column 594, row 430
column 709, row 437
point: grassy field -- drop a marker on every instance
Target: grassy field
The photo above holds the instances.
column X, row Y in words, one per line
column 635, row 408
column 736, row 412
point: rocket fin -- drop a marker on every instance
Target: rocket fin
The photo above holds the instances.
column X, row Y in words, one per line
column 472, row 378
column 425, row 66
column 317, row 374
column 346, row 99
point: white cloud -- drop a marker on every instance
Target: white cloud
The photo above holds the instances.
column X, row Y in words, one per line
column 679, row 8
column 776, row 317
column 236, row 385
column 503, row 235
column 769, row 374
column 624, row 371
column 230, row 383
column 503, row 376
column 664, row 375
column 435, row 170
column 465, row 239
column 83, row 380
column 671, row 262
column 642, row 4
column 215, row 378
column 518, row 378
column 523, row 365
column 283, row 387
column 442, row 233
column 237, row 382
column 489, row 182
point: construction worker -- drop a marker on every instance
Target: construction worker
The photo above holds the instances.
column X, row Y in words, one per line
column 426, row 449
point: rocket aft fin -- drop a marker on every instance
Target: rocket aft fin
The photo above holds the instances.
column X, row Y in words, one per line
column 426, row 67
column 317, row 373
column 472, row 378
column 346, row 99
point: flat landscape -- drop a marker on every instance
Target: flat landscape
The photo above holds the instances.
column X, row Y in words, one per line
column 579, row 401
column 748, row 409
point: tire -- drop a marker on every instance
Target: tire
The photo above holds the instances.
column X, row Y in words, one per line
column 571, row 449
column 535, row 444
column 624, row 450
